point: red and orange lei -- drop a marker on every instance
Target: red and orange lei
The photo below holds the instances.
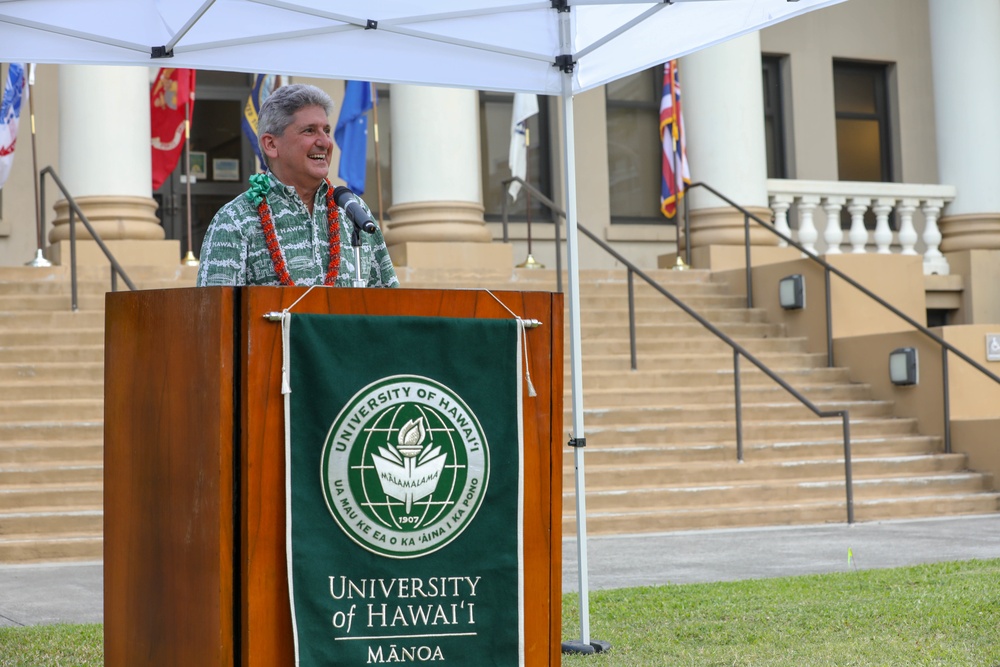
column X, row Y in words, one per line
column 274, row 248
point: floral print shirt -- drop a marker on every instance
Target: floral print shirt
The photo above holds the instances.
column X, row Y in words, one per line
column 234, row 251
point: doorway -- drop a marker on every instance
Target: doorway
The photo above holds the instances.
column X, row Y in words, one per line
column 221, row 159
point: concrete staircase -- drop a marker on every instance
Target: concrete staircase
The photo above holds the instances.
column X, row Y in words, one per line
column 661, row 440
column 52, row 410
column 661, row 451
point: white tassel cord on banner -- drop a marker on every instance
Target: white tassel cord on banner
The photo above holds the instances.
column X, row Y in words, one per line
column 524, row 324
column 283, row 317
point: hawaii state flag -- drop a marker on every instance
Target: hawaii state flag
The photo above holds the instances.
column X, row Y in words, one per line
column 14, row 94
column 351, row 134
column 263, row 86
column 172, row 94
column 675, row 164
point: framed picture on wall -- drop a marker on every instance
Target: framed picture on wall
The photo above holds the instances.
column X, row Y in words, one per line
column 199, row 164
column 225, row 169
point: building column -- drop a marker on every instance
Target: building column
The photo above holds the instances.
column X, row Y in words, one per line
column 965, row 40
column 724, row 119
column 105, row 163
column 436, row 220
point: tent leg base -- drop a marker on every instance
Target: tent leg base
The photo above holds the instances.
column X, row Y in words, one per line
column 595, row 646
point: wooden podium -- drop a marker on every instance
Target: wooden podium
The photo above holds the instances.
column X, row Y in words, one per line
column 194, row 498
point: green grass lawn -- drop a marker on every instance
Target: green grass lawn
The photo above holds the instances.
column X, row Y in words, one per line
column 942, row 614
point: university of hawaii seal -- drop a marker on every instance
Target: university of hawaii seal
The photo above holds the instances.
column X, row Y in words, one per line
column 405, row 466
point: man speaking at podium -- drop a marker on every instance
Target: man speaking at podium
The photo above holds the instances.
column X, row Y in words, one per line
column 292, row 227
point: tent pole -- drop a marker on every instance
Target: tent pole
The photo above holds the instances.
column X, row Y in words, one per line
column 578, row 439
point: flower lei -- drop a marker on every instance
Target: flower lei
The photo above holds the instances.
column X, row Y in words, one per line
column 259, row 186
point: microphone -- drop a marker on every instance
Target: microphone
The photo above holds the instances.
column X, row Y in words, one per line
column 348, row 201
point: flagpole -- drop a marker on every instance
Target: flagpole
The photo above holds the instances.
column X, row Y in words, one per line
column 378, row 163
column 529, row 262
column 189, row 258
column 39, row 259
column 675, row 137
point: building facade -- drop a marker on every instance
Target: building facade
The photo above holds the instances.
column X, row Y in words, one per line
column 860, row 128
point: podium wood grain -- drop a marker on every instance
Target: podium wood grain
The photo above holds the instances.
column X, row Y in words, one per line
column 195, row 569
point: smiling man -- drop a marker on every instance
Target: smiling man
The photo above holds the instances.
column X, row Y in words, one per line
column 287, row 229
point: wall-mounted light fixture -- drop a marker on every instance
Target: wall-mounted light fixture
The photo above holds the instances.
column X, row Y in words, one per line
column 903, row 366
column 792, row 292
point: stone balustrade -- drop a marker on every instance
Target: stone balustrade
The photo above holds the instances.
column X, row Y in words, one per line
column 812, row 213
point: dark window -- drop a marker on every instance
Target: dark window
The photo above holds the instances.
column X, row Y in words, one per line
column 774, row 119
column 634, row 149
column 864, row 148
column 495, row 111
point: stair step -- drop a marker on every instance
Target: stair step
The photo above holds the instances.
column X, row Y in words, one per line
column 687, row 453
column 52, row 522
column 651, row 389
column 52, row 337
column 719, row 363
column 38, row 473
column 707, row 344
column 51, row 430
column 625, row 417
column 31, row 355
column 39, row 410
column 643, row 521
column 31, row 549
column 630, row 475
column 672, row 316
column 596, row 331
column 34, row 496
column 53, row 371
column 73, row 451
column 40, row 319
column 51, row 302
column 753, row 431
column 40, row 390
column 778, row 492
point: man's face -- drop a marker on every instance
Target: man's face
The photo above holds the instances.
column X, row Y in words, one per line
column 301, row 155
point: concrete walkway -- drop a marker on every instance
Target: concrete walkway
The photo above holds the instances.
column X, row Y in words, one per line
column 73, row 593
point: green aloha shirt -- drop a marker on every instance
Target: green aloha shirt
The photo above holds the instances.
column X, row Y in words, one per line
column 234, row 251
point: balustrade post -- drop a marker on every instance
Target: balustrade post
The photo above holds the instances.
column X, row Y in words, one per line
column 807, row 228
column 883, row 235
column 934, row 261
column 833, row 234
column 779, row 206
column 858, row 235
column 907, row 233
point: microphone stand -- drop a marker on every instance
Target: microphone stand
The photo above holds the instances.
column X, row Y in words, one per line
column 356, row 243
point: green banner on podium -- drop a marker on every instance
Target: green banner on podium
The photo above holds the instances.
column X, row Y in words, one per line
column 404, row 490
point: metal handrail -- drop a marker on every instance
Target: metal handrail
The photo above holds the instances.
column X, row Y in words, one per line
column 946, row 347
column 74, row 211
column 738, row 350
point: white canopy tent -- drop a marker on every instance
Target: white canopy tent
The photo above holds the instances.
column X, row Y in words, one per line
column 552, row 47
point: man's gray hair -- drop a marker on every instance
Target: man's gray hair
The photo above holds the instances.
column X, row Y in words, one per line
column 280, row 106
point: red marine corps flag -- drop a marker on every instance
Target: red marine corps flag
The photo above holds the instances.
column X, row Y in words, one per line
column 170, row 102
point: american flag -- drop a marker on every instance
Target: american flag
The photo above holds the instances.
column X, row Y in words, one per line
column 675, row 164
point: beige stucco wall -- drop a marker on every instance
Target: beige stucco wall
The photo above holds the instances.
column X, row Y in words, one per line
column 897, row 279
column 980, row 270
column 886, row 31
column 976, row 438
column 974, row 398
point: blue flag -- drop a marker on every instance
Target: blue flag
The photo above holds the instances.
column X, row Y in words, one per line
column 263, row 85
column 351, row 134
